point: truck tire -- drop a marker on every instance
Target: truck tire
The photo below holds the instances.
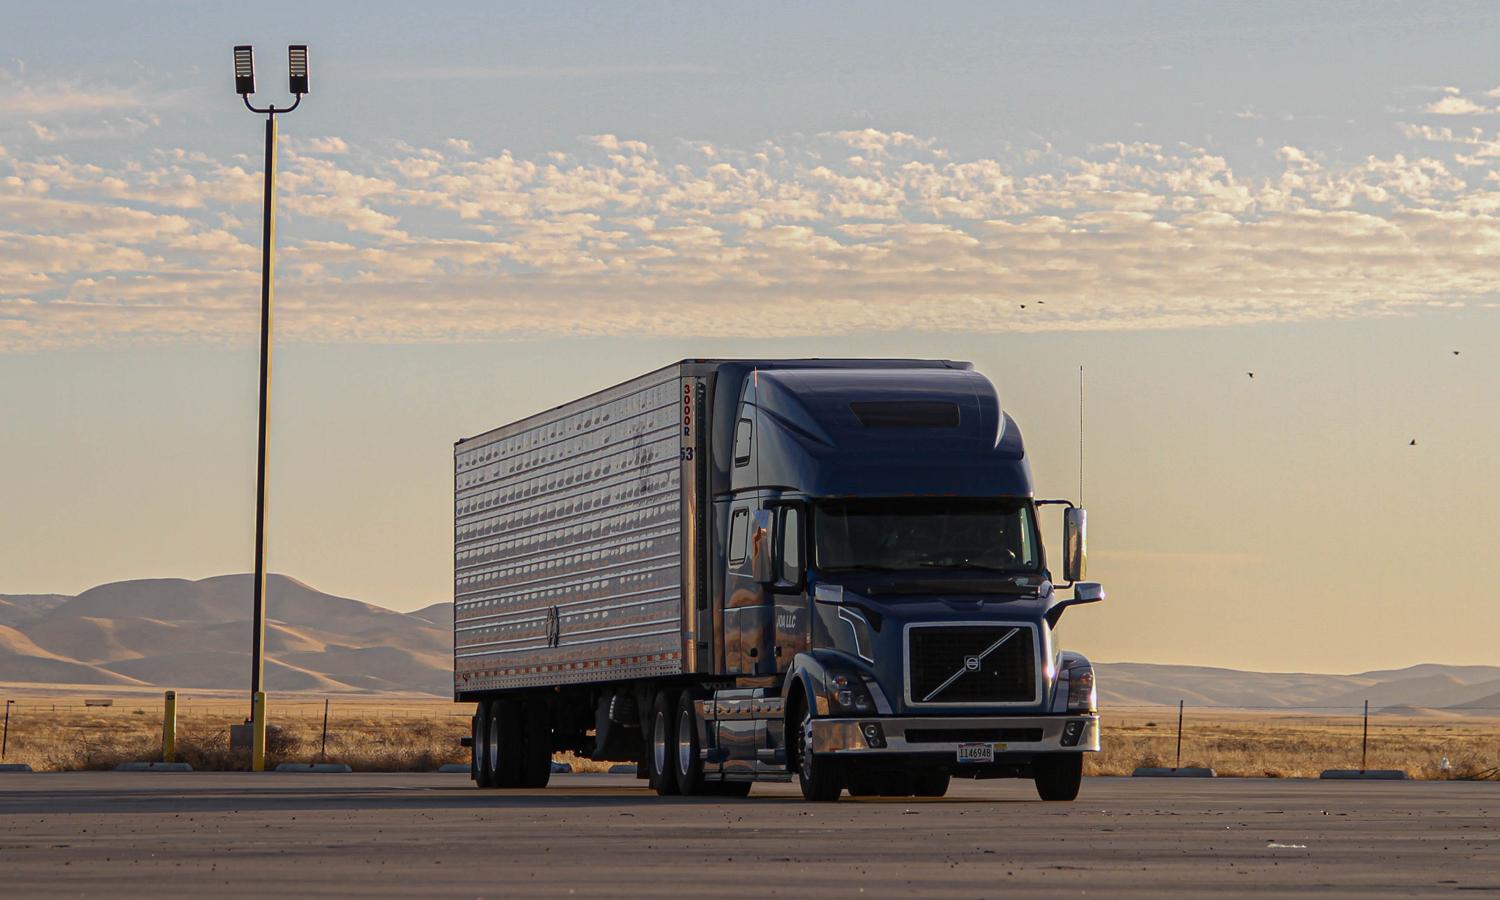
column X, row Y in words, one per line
column 818, row 777
column 661, row 746
column 504, row 751
column 474, row 747
column 689, row 759
column 931, row 784
column 483, row 761
column 536, row 744
column 1058, row 775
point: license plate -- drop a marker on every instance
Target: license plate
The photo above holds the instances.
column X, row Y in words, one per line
column 976, row 753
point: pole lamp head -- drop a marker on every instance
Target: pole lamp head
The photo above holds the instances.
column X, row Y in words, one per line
column 244, row 70
column 296, row 66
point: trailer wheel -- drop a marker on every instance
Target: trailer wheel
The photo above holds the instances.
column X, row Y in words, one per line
column 661, row 750
column 536, row 744
column 503, row 754
column 484, row 760
column 818, row 777
column 932, row 784
column 687, row 749
column 1058, row 775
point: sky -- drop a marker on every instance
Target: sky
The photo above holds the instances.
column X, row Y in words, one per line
column 490, row 210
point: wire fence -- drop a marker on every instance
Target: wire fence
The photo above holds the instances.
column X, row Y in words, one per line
column 1292, row 740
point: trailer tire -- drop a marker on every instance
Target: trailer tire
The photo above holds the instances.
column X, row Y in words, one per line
column 818, row 777
column 474, row 748
column 689, row 758
column 931, row 784
column 483, row 758
column 1058, row 775
column 536, row 744
column 661, row 748
column 503, row 753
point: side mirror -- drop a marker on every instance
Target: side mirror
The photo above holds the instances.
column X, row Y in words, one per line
column 1075, row 543
column 761, row 568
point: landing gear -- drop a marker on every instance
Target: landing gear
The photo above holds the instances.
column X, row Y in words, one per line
column 1058, row 775
column 818, row 777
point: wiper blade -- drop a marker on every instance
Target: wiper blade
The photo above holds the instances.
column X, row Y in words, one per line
column 967, row 566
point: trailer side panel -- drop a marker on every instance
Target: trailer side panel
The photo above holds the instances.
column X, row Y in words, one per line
column 568, row 542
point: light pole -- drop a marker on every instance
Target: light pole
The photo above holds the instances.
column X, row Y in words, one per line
column 244, row 85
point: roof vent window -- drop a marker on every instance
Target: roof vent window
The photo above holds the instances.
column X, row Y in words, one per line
column 906, row 413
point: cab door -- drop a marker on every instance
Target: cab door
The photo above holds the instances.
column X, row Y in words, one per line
column 793, row 614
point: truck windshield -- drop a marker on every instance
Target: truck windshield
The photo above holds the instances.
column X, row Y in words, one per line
column 985, row 534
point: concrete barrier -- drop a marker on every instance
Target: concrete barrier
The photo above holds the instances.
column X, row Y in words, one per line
column 1365, row 775
column 154, row 767
column 454, row 768
column 14, row 767
column 320, row 768
column 1184, row 772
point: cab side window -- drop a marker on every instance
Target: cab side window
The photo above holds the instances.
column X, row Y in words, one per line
column 743, row 434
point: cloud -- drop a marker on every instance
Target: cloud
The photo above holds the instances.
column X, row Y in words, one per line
column 506, row 73
column 1456, row 106
column 850, row 231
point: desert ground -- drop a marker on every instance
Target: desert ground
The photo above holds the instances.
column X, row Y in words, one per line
column 56, row 731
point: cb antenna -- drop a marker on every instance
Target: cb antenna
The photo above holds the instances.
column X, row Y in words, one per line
column 1080, row 435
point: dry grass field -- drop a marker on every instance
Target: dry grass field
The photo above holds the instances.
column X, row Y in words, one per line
column 407, row 735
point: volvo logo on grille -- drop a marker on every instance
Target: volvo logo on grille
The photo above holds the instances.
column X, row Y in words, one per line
column 971, row 663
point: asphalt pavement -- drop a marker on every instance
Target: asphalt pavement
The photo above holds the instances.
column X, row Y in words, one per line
column 119, row 834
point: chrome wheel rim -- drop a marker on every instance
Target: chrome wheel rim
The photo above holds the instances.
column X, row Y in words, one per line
column 685, row 742
column 659, row 742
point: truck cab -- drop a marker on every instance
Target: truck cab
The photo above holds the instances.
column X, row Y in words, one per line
column 888, row 608
column 735, row 571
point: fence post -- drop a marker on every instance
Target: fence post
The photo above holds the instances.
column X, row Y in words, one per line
column 323, row 750
column 169, row 728
column 1179, row 736
column 1364, row 744
column 5, row 740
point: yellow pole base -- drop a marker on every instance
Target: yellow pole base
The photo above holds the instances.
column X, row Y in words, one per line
column 169, row 728
column 258, row 733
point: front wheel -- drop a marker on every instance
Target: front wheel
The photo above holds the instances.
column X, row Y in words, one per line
column 818, row 777
column 1058, row 776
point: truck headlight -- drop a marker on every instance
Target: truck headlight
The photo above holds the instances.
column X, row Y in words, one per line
column 1083, row 697
column 847, row 694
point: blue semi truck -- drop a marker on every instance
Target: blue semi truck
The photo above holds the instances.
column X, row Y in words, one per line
column 731, row 571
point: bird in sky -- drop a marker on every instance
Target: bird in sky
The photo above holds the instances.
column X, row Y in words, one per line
column 1455, row 352
column 1023, row 306
column 1413, row 443
column 1251, row 374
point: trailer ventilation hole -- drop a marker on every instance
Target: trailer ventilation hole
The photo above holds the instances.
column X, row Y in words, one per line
column 906, row 413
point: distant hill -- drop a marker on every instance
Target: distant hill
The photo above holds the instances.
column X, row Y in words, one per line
column 1458, row 689
column 169, row 632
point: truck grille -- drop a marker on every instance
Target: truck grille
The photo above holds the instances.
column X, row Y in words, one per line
column 971, row 664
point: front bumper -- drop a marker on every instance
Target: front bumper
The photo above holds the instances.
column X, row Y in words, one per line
column 1012, row 736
